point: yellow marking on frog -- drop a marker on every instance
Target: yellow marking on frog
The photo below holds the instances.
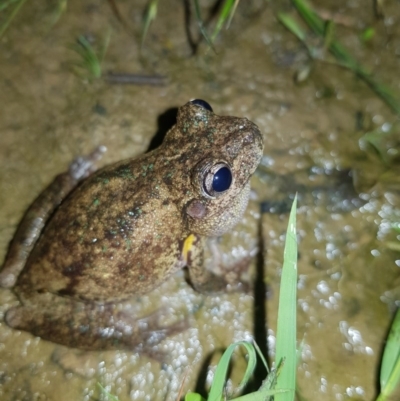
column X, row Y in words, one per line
column 187, row 246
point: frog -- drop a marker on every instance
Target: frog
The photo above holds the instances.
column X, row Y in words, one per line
column 96, row 238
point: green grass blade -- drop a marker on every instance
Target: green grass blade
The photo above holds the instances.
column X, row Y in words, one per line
column 393, row 246
column 270, row 382
column 85, row 50
column 268, row 388
column 384, row 92
column 281, row 381
column 319, row 27
column 310, row 16
column 392, row 385
column 193, row 397
column 60, row 8
column 200, row 23
column 286, row 327
column 217, row 392
column 226, row 13
column 342, row 55
column 263, row 395
column 89, row 63
column 14, row 12
column 292, row 26
column 377, row 141
column 104, row 47
column 217, row 388
column 7, row 3
column 109, row 396
column 261, row 356
column 390, row 369
column 329, row 34
column 89, row 59
column 396, row 227
column 149, row 17
column 232, row 13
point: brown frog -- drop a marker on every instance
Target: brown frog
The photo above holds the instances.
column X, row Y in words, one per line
column 126, row 228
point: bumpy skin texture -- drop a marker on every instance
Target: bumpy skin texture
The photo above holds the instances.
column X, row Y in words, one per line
column 129, row 226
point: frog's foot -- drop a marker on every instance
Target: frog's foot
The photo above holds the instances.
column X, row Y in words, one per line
column 155, row 332
column 83, row 166
column 223, row 274
column 82, row 363
column 90, row 326
column 234, row 276
column 224, row 278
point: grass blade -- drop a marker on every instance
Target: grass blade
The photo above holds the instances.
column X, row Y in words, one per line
column 193, row 397
column 149, row 17
column 281, row 381
column 217, row 388
column 292, row 26
column 104, row 47
column 390, row 369
column 309, row 16
column 6, row 3
column 341, row 54
column 286, row 327
column 109, row 396
column 89, row 65
column 217, row 392
column 228, row 9
column 14, row 12
column 201, row 25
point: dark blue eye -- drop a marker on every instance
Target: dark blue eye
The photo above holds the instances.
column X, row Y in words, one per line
column 202, row 103
column 222, row 179
column 216, row 178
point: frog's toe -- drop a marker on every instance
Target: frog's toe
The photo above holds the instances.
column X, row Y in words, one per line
column 156, row 333
column 15, row 318
column 154, row 330
column 7, row 278
column 83, row 166
column 163, row 332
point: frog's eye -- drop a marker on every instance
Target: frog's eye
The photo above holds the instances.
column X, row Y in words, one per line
column 217, row 179
column 201, row 103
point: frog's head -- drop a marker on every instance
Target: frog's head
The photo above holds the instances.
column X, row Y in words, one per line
column 218, row 155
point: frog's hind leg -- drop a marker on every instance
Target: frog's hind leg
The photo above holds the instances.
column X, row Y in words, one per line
column 92, row 326
column 39, row 212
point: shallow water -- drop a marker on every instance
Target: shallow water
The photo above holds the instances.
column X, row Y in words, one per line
column 348, row 278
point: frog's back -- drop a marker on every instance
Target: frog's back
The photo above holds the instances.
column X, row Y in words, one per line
column 116, row 235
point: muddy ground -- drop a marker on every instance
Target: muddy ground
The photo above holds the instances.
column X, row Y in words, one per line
column 348, row 197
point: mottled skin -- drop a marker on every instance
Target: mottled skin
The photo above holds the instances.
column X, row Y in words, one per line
column 123, row 230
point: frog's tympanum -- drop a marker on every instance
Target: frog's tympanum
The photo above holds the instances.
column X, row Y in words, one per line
column 122, row 231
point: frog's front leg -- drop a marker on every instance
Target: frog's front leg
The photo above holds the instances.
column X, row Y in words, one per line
column 227, row 278
column 90, row 326
column 203, row 280
column 37, row 215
